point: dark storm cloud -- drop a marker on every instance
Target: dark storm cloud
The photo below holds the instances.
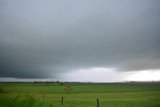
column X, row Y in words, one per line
column 41, row 39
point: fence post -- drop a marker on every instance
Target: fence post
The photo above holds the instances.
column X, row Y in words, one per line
column 62, row 101
column 97, row 102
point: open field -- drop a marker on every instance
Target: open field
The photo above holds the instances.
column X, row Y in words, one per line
column 79, row 94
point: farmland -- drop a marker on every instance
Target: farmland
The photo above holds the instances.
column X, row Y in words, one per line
column 79, row 94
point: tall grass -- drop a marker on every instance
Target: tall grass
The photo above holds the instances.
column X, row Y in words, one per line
column 22, row 101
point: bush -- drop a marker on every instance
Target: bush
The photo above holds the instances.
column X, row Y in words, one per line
column 67, row 89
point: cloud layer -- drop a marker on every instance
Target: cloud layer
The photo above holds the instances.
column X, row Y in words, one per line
column 44, row 39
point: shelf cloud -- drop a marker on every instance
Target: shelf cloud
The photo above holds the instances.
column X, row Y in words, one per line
column 47, row 39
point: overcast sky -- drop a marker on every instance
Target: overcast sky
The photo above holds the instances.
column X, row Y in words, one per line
column 80, row 40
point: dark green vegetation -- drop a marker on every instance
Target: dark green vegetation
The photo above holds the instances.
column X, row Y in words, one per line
column 79, row 94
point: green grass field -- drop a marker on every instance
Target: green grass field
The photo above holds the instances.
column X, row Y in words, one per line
column 79, row 94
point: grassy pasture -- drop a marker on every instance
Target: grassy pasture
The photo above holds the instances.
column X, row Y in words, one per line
column 79, row 94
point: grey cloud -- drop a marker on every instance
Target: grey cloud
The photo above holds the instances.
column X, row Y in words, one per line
column 41, row 39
